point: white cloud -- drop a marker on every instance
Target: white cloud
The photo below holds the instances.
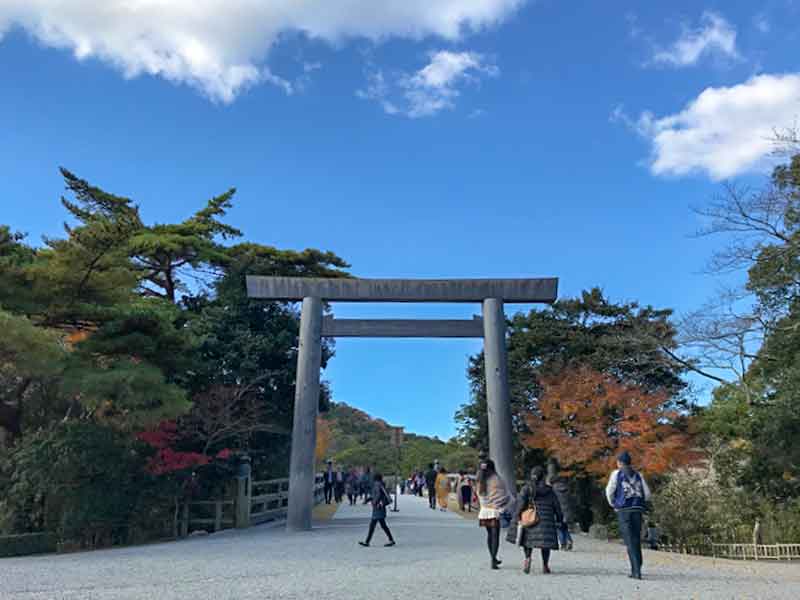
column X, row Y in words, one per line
column 220, row 46
column 761, row 23
column 377, row 89
column 723, row 132
column 431, row 89
column 714, row 36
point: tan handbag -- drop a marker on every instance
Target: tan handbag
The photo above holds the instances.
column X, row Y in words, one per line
column 529, row 517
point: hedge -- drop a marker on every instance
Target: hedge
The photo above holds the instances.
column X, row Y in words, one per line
column 28, row 543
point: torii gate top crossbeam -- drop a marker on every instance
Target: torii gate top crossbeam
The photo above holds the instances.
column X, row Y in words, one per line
column 542, row 290
column 403, row 328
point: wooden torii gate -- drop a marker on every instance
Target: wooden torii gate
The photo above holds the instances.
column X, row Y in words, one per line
column 492, row 294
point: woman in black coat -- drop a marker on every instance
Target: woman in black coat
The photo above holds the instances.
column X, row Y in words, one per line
column 380, row 500
column 542, row 535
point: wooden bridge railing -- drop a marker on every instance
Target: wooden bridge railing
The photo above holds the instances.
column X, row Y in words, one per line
column 256, row 502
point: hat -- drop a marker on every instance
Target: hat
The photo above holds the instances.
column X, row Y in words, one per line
column 624, row 458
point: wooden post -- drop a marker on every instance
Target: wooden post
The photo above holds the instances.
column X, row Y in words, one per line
column 185, row 520
column 176, row 519
column 218, row 516
column 241, row 506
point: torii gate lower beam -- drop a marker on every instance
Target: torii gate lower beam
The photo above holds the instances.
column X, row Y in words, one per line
column 492, row 293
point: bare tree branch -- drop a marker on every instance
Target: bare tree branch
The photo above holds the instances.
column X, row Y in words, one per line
column 689, row 365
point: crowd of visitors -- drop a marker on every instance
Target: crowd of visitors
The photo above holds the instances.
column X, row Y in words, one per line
column 538, row 518
column 540, row 515
column 355, row 484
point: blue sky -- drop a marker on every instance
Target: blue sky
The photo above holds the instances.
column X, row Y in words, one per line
column 462, row 138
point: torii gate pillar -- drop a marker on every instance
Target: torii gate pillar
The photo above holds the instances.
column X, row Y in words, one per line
column 306, row 407
column 498, row 400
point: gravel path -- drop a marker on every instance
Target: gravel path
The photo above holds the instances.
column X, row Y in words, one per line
column 439, row 555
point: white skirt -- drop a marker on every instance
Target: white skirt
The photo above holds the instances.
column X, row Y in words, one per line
column 488, row 513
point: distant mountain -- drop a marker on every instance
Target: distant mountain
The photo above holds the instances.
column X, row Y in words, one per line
column 356, row 439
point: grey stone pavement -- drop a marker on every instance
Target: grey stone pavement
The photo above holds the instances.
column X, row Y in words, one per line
column 438, row 556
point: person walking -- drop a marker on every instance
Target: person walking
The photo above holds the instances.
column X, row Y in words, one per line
column 653, row 536
column 329, row 481
column 493, row 498
column 366, row 485
column 380, row 500
column 338, row 485
column 351, row 487
column 627, row 493
column 560, row 486
column 420, row 483
column 464, row 491
column 442, row 489
column 536, row 495
column 430, row 483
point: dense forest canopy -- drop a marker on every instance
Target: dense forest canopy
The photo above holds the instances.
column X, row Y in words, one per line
column 139, row 340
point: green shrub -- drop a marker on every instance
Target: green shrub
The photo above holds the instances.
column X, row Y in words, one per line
column 693, row 508
column 28, row 543
column 86, row 484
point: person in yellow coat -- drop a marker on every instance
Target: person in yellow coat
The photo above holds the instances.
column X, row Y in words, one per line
column 442, row 489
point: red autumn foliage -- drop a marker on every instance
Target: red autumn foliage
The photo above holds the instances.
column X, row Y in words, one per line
column 586, row 418
column 167, row 459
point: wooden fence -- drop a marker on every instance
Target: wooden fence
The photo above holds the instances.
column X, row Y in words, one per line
column 256, row 502
column 738, row 551
column 757, row 552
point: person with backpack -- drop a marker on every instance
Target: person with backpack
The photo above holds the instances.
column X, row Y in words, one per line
column 380, row 500
column 538, row 514
column 627, row 493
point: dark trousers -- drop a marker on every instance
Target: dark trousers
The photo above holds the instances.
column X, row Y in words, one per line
column 466, row 498
column 338, row 491
column 630, row 526
column 564, row 536
column 385, row 528
column 432, row 496
column 493, row 541
column 545, row 555
column 328, row 492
